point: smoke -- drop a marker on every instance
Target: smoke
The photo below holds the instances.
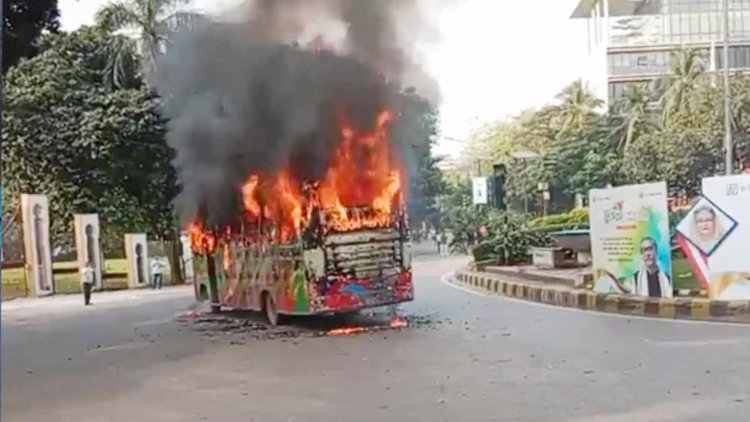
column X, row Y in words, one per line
column 270, row 91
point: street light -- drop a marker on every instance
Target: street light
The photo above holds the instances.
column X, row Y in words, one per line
column 525, row 155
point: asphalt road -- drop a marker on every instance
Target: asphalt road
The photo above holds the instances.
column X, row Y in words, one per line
column 468, row 357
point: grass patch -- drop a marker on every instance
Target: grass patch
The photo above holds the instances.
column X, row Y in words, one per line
column 14, row 279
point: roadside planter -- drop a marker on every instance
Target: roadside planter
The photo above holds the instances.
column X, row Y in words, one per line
column 547, row 257
column 577, row 240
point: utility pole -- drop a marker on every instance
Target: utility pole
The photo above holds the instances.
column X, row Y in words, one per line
column 727, row 96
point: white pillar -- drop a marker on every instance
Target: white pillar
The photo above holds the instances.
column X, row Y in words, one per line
column 88, row 245
column 136, row 255
column 37, row 250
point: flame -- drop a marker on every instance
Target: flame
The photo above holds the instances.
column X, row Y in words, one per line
column 361, row 175
column 358, row 190
column 226, row 260
column 398, row 322
column 346, row 331
column 201, row 240
column 249, row 190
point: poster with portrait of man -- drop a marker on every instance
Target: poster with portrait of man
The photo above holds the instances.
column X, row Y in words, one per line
column 630, row 242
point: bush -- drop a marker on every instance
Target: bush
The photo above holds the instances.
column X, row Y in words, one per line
column 577, row 218
column 539, row 238
column 484, row 251
column 508, row 238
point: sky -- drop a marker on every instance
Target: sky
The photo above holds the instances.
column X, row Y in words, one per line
column 495, row 58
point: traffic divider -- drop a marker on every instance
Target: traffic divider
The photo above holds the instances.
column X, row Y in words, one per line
column 691, row 308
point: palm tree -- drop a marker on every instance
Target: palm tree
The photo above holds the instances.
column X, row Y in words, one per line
column 153, row 21
column 635, row 113
column 578, row 105
column 687, row 67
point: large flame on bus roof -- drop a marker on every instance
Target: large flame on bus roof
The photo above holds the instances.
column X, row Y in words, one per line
column 361, row 189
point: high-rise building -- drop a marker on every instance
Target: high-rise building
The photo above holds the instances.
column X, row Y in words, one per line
column 631, row 41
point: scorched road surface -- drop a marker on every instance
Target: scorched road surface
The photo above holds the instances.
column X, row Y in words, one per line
column 470, row 358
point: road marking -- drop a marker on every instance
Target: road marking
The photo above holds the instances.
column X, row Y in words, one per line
column 445, row 277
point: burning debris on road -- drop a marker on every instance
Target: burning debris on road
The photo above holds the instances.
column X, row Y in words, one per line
column 247, row 325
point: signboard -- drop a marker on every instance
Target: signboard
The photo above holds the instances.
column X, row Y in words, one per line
column 479, row 189
column 630, row 241
column 715, row 234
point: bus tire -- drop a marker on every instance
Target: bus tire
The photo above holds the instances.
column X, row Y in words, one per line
column 269, row 309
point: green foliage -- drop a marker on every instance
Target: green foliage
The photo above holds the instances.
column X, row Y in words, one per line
column 153, row 20
column 67, row 134
column 670, row 130
column 415, row 132
column 484, row 251
column 508, row 241
column 23, row 21
column 574, row 219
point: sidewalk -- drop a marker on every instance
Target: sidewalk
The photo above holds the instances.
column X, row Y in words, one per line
column 62, row 301
column 567, row 296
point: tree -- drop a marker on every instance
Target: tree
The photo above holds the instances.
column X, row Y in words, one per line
column 23, row 22
column 578, row 105
column 88, row 147
column 692, row 147
column 575, row 143
column 688, row 66
column 152, row 20
column 416, row 132
column 633, row 114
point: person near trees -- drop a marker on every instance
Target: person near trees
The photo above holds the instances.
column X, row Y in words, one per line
column 443, row 241
column 157, row 272
column 87, row 282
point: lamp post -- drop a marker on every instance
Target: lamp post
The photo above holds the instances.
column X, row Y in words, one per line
column 727, row 96
column 523, row 155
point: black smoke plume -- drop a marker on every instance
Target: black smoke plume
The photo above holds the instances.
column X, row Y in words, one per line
column 269, row 92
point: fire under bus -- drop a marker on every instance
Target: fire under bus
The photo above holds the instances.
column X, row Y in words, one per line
column 338, row 245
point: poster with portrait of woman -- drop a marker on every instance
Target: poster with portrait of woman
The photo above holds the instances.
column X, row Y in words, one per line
column 706, row 226
column 715, row 235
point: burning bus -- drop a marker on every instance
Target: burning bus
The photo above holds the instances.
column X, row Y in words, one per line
column 295, row 152
column 301, row 247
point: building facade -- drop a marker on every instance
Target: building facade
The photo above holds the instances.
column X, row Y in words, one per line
column 632, row 41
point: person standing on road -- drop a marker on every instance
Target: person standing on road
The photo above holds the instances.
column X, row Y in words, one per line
column 443, row 241
column 87, row 282
column 157, row 270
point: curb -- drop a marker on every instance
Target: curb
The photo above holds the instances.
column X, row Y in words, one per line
column 689, row 308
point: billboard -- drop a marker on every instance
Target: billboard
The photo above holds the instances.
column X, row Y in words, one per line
column 630, row 242
column 479, row 188
column 714, row 235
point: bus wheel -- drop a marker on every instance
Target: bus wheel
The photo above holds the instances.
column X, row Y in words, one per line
column 269, row 307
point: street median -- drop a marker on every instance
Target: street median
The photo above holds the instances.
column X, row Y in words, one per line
column 689, row 308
